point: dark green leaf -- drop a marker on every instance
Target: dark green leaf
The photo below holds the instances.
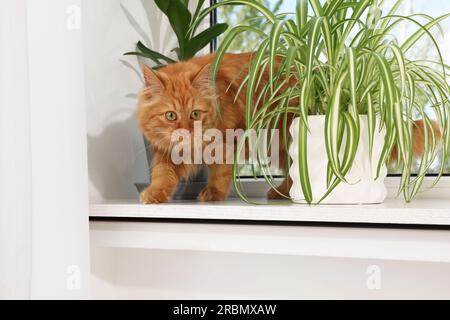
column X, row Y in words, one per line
column 143, row 55
column 204, row 38
column 180, row 20
column 177, row 51
column 163, row 5
column 156, row 56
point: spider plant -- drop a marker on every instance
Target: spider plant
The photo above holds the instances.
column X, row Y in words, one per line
column 345, row 62
column 185, row 24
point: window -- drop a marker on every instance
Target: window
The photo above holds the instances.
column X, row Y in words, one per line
column 247, row 42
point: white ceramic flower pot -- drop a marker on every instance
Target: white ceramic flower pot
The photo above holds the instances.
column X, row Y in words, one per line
column 362, row 188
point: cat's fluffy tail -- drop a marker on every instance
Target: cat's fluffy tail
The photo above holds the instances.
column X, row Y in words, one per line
column 419, row 139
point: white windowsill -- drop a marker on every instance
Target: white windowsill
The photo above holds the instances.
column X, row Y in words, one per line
column 374, row 244
column 275, row 239
column 434, row 212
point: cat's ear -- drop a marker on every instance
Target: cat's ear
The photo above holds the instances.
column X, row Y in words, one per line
column 203, row 80
column 152, row 80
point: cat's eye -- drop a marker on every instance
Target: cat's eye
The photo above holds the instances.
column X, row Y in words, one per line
column 171, row 116
column 196, row 115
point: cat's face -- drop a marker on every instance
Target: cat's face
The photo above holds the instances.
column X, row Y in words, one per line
column 173, row 101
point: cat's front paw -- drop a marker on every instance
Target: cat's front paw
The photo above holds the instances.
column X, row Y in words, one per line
column 154, row 196
column 210, row 194
column 275, row 195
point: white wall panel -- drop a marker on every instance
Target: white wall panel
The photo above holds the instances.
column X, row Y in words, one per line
column 15, row 153
column 60, row 236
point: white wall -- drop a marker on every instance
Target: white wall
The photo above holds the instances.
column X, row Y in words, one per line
column 60, row 225
column 115, row 146
column 44, row 221
column 15, row 154
column 153, row 274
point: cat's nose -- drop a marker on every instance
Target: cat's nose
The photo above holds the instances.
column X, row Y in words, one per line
column 185, row 127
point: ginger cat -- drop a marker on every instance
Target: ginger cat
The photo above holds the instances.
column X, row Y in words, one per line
column 177, row 96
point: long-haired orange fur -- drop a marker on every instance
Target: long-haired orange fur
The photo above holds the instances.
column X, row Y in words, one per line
column 184, row 89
